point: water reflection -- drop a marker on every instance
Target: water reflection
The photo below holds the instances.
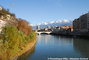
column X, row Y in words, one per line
column 27, row 54
column 82, row 46
column 58, row 47
column 54, row 39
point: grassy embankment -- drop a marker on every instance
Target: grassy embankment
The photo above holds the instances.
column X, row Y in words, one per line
column 14, row 43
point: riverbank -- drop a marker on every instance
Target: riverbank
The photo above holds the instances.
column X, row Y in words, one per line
column 74, row 34
column 15, row 44
column 28, row 47
column 57, row 46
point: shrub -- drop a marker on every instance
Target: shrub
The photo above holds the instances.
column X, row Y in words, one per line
column 24, row 27
column 12, row 38
column 31, row 36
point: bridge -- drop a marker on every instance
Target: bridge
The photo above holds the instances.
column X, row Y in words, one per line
column 43, row 32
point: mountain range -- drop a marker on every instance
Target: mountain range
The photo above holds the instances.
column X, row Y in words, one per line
column 53, row 24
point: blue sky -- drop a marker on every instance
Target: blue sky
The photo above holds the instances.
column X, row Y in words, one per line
column 37, row 11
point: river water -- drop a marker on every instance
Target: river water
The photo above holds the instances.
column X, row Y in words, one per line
column 52, row 46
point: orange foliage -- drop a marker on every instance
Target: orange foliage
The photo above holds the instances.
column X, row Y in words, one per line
column 24, row 27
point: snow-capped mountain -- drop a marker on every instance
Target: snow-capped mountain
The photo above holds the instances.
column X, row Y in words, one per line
column 54, row 23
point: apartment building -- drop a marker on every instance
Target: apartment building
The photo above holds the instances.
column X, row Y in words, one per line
column 82, row 23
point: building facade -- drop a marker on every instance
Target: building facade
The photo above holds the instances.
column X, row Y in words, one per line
column 82, row 23
column 76, row 25
column 38, row 27
column 88, row 21
column 2, row 24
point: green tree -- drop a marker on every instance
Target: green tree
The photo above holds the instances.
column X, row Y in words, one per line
column 12, row 39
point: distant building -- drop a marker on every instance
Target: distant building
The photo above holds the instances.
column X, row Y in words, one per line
column 2, row 24
column 56, row 29
column 38, row 27
column 76, row 25
column 0, row 8
column 63, row 29
column 49, row 27
column 45, row 29
column 82, row 23
column 71, row 27
column 52, row 28
column 8, row 17
column 66, row 28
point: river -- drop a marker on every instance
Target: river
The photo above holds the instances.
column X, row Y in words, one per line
column 52, row 46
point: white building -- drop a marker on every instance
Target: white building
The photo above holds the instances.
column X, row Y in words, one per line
column 2, row 24
column 8, row 17
column 0, row 8
column 38, row 27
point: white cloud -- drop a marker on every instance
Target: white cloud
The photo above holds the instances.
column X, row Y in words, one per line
column 38, row 24
column 31, row 25
column 51, row 22
column 66, row 21
column 44, row 23
column 59, row 21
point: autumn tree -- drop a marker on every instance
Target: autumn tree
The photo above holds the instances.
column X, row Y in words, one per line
column 24, row 27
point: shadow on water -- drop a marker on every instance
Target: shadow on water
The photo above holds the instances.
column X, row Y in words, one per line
column 27, row 54
column 57, row 46
column 82, row 46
